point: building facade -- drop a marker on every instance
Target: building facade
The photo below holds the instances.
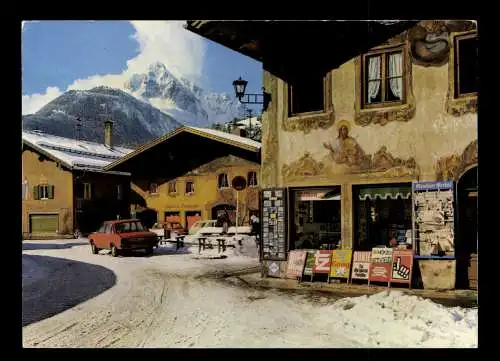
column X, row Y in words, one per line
column 65, row 190
column 346, row 141
column 186, row 186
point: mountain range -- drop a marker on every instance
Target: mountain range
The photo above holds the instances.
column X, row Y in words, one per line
column 149, row 105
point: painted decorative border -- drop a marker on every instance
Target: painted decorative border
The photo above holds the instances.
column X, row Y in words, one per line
column 463, row 105
column 270, row 146
column 454, row 166
column 306, row 122
column 384, row 115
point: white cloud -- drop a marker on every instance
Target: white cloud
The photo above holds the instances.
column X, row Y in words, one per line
column 34, row 102
column 165, row 41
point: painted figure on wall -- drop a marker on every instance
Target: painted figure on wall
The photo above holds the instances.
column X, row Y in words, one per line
column 347, row 151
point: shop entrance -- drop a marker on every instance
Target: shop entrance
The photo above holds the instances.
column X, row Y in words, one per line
column 466, row 247
column 315, row 216
column 382, row 215
column 221, row 209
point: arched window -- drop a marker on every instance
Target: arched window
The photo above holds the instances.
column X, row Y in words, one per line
column 252, row 179
column 222, row 181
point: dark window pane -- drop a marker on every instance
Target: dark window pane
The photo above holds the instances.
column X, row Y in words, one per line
column 306, row 94
column 467, row 65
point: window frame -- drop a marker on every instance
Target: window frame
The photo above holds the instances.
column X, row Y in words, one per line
column 153, row 186
column 170, row 185
column 384, row 52
column 227, row 181
column 456, row 64
column 119, row 192
column 256, row 180
column 87, row 191
column 186, row 187
column 291, row 112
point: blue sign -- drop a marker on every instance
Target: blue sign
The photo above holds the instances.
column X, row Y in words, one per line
column 432, row 186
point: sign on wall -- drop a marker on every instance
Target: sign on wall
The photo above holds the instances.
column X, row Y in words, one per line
column 296, row 261
column 322, row 261
column 341, row 264
column 310, row 260
column 273, row 236
column 273, row 269
column 381, row 265
column 402, row 264
column 361, row 265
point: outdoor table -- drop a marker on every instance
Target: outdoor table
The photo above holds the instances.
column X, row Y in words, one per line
column 221, row 244
column 202, row 243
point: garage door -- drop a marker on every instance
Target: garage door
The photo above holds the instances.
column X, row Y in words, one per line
column 44, row 223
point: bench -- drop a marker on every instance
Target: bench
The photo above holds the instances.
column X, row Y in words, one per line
column 179, row 241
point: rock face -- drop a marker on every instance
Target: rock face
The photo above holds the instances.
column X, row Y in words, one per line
column 135, row 122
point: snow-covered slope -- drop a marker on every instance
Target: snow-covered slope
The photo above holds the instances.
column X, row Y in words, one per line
column 135, row 121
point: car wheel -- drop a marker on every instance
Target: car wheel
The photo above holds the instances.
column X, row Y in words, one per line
column 95, row 250
column 114, row 251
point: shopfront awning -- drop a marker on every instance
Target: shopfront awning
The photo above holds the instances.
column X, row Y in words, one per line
column 403, row 192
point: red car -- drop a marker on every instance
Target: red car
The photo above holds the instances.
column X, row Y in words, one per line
column 122, row 235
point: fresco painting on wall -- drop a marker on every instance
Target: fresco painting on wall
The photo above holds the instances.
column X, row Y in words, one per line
column 452, row 167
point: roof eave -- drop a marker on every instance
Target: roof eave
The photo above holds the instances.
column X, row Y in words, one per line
column 172, row 134
column 47, row 154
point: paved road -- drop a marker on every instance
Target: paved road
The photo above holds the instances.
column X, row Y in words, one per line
column 72, row 298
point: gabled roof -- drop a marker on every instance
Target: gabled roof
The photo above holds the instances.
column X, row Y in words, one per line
column 74, row 154
column 231, row 139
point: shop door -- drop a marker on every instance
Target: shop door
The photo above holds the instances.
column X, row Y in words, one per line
column 173, row 217
column 466, row 248
column 191, row 218
column 44, row 223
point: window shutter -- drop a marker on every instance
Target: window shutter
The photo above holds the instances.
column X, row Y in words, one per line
column 36, row 193
column 50, row 191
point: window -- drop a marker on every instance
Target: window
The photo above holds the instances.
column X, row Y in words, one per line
column 119, row 192
column 153, row 188
column 25, row 190
column 43, row 192
column 306, row 94
column 222, row 181
column 87, row 191
column 172, row 187
column 102, row 228
column 252, row 179
column 466, row 76
column 189, row 187
column 108, row 228
column 383, row 78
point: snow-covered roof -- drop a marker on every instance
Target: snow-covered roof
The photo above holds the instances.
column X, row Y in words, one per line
column 213, row 134
column 228, row 136
column 75, row 154
column 247, row 122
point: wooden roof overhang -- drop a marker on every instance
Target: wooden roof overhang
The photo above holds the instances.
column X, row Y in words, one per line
column 287, row 46
column 179, row 152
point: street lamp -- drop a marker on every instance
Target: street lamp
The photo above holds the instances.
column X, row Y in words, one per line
column 239, row 89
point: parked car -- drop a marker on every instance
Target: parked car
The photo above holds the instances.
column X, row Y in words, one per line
column 122, row 235
column 210, row 227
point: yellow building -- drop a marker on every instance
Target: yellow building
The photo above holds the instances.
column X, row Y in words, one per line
column 359, row 111
column 186, row 175
column 64, row 188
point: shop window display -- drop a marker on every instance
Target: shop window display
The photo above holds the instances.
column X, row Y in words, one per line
column 384, row 218
column 317, row 219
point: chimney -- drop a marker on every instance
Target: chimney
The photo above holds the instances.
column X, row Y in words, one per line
column 240, row 132
column 108, row 133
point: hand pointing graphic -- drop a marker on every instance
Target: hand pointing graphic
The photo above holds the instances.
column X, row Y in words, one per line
column 400, row 269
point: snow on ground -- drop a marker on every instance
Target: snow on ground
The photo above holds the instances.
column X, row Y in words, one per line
column 169, row 300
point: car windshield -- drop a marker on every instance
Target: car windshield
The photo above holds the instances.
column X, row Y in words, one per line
column 133, row 226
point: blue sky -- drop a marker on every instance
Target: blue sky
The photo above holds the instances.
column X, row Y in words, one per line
column 82, row 54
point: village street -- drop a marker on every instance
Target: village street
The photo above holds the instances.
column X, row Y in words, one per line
column 72, row 298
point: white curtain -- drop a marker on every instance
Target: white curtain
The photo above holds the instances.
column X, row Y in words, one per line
column 396, row 69
column 373, row 73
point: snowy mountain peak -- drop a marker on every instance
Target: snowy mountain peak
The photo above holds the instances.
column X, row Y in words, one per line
column 181, row 98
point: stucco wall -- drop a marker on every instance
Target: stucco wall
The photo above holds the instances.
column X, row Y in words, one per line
column 45, row 171
column 206, row 194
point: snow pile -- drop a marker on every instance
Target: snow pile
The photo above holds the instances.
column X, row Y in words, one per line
column 393, row 319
